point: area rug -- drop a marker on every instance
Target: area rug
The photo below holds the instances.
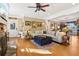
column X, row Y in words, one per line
column 42, row 47
column 11, row 50
column 12, row 44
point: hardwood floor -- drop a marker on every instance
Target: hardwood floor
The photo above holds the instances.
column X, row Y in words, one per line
column 56, row 49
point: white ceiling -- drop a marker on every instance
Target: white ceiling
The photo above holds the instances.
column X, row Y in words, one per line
column 21, row 9
column 65, row 18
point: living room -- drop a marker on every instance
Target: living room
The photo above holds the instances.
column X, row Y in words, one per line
column 36, row 31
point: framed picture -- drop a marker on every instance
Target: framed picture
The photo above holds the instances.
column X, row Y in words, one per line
column 39, row 24
column 36, row 24
column 12, row 26
column 28, row 23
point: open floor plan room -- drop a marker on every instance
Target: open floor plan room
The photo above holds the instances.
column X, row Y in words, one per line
column 39, row 29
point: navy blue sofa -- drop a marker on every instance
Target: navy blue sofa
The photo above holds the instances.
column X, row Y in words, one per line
column 42, row 40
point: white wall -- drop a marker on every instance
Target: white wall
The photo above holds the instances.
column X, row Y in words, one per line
column 12, row 33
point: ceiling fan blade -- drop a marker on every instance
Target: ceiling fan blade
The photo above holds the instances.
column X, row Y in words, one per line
column 45, row 5
column 36, row 10
column 31, row 7
column 43, row 10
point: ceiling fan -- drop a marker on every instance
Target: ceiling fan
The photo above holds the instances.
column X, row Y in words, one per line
column 39, row 7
